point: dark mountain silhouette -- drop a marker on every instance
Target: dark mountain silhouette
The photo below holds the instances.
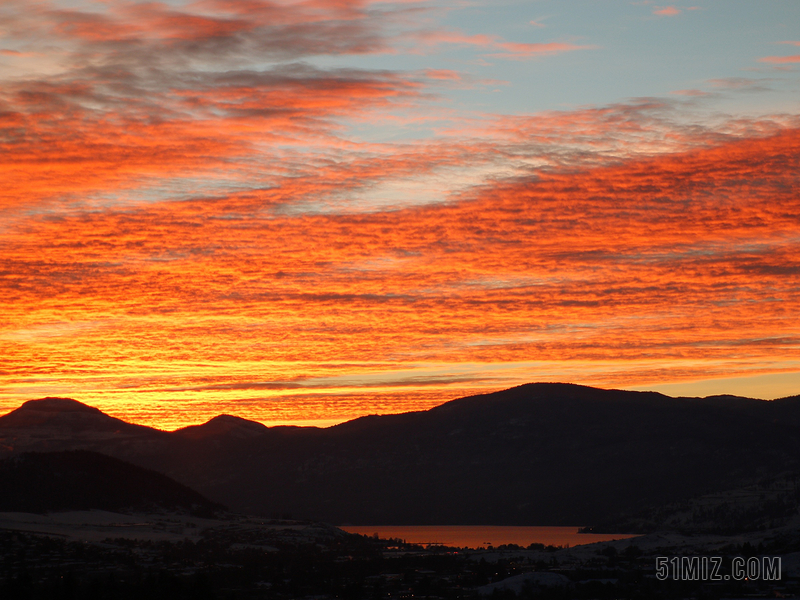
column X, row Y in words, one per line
column 67, row 416
column 54, row 424
column 61, row 422
column 84, row 480
column 40, row 412
column 537, row 454
column 223, row 426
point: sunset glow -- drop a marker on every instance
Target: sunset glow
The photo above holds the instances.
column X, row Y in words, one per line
column 305, row 212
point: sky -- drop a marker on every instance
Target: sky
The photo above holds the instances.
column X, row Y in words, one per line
column 302, row 212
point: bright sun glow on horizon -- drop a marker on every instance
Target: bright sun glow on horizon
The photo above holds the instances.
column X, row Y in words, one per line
column 305, row 212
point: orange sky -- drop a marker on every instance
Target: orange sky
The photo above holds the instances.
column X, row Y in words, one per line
column 185, row 231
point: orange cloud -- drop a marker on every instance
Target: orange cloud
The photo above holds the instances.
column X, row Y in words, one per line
column 498, row 47
column 186, row 232
column 683, row 259
column 518, row 51
column 445, row 74
column 690, row 92
column 780, row 59
column 666, row 11
column 215, row 32
column 200, row 129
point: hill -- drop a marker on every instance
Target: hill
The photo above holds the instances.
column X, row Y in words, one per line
column 83, row 480
column 538, row 454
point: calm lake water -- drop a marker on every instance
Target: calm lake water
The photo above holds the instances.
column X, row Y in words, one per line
column 474, row 536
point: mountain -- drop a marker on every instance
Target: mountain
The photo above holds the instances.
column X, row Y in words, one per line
column 223, row 426
column 83, row 480
column 62, row 412
column 59, row 421
column 538, row 454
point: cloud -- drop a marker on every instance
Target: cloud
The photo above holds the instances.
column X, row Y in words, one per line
column 193, row 126
column 220, row 30
column 497, row 47
column 669, row 258
column 523, row 51
column 779, row 60
column 443, row 74
column 181, row 179
column 347, row 382
column 666, row 11
column 691, row 92
column 741, row 84
column 150, row 97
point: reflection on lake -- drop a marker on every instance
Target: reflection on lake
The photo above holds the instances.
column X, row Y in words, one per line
column 474, row 536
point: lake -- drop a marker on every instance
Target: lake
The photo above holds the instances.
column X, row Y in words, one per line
column 474, row 536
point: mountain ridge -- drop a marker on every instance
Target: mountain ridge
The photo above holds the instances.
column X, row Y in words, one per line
column 223, row 425
column 60, row 405
column 537, row 454
column 64, row 412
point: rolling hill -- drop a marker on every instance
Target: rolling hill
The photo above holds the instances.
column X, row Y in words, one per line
column 85, row 480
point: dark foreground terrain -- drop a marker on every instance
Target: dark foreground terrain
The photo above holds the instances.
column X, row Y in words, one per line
column 108, row 509
column 175, row 557
column 81, row 525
